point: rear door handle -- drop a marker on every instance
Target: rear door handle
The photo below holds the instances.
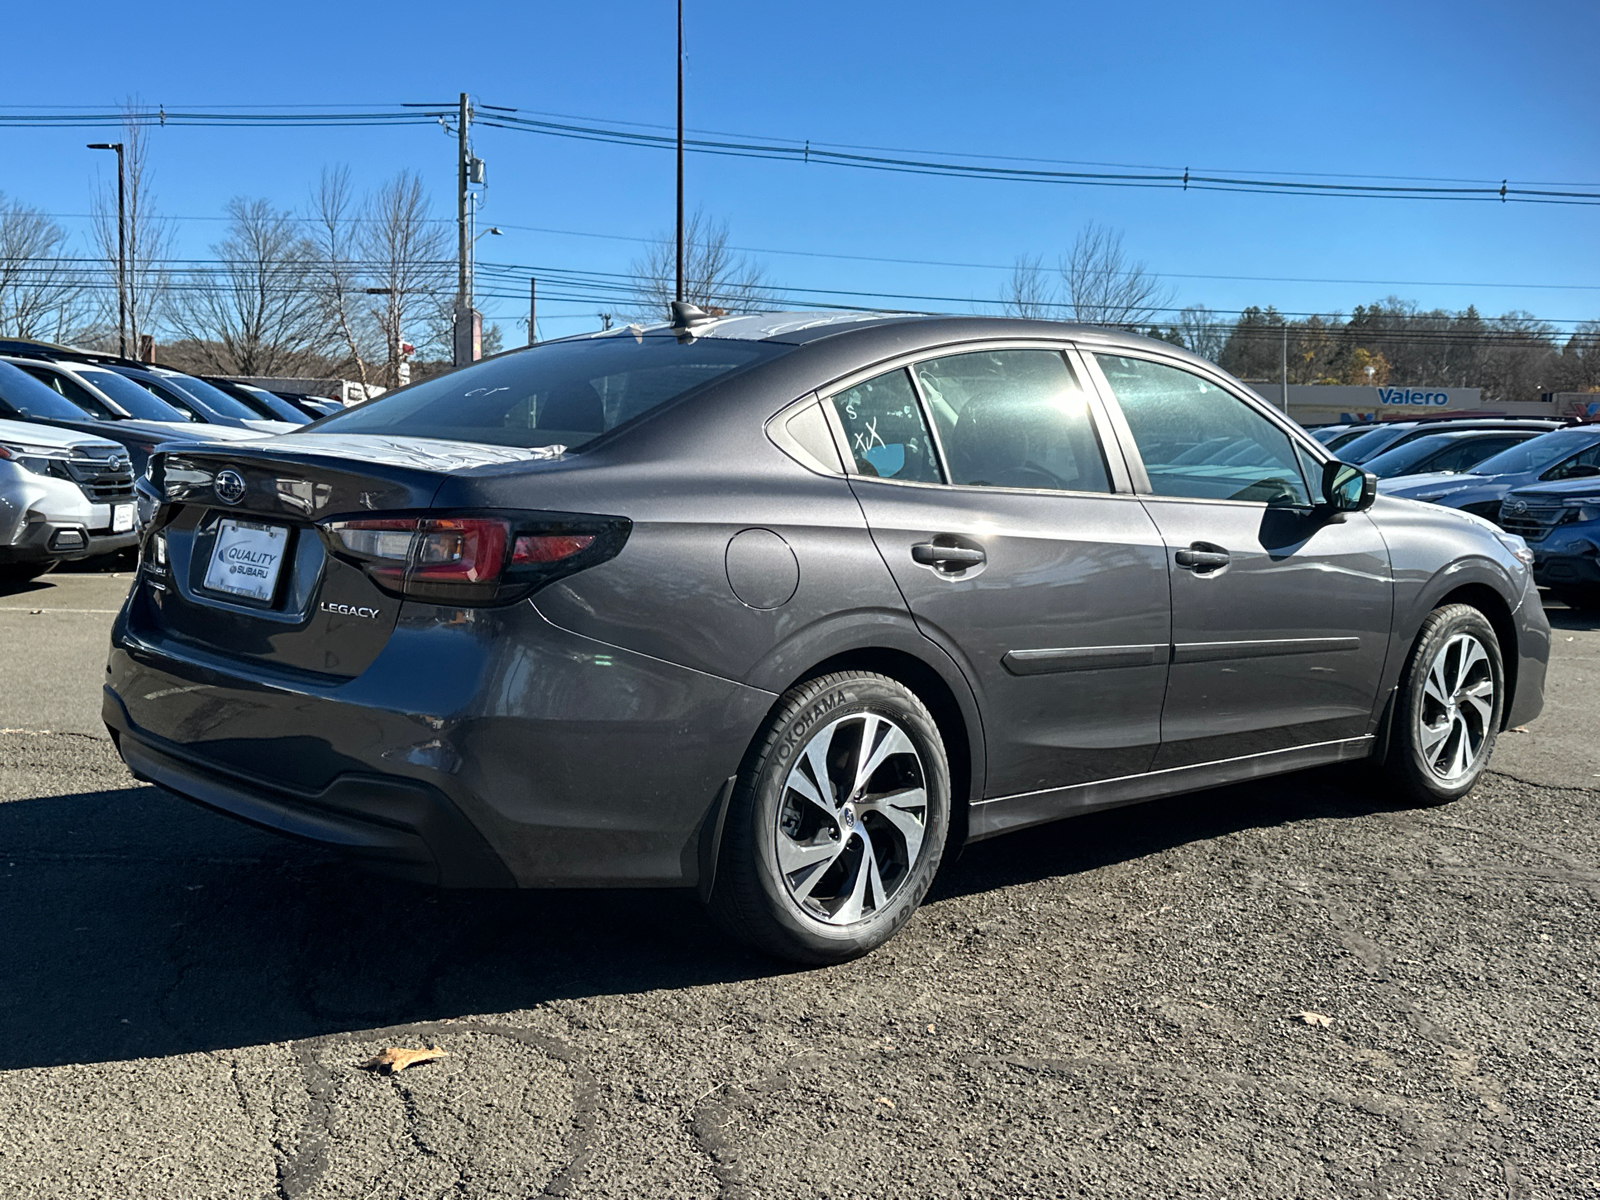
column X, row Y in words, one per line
column 949, row 558
column 1200, row 557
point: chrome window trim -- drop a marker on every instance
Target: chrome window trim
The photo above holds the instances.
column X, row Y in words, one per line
column 1116, row 465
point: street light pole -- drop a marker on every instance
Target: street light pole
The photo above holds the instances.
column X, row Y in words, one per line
column 679, row 292
column 462, row 339
column 122, row 247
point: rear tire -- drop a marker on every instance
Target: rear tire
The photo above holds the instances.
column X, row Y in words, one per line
column 838, row 822
column 1448, row 707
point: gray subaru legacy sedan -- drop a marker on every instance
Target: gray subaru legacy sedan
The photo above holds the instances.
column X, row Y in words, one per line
column 787, row 608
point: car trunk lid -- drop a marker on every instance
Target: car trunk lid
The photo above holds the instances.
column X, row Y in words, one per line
column 239, row 567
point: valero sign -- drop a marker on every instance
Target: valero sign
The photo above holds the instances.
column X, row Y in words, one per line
column 1417, row 397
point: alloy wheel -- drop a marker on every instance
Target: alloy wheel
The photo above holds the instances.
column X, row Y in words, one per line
column 852, row 818
column 1453, row 721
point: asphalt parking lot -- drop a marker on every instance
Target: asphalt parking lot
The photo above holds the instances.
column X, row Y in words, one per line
column 1105, row 1007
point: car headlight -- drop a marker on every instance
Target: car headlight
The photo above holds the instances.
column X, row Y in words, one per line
column 1518, row 547
column 32, row 458
column 1582, row 508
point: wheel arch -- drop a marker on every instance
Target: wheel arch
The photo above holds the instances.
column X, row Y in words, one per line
column 949, row 700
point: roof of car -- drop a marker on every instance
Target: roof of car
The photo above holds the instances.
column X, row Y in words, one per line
column 898, row 331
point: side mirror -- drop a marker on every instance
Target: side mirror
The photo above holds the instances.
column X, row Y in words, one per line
column 1346, row 488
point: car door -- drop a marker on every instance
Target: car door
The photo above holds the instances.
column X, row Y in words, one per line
column 1280, row 609
column 1003, row 525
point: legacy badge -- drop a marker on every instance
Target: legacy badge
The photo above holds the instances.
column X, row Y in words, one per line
column 348, row 610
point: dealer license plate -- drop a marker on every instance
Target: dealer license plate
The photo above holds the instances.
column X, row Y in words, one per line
column 247, row 558
column 121, row 518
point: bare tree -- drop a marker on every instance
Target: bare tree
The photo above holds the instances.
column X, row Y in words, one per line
column 715, row 278
column 149, row 240
column 42, row 291
column 1028, row 293
column 405, row 252
column 1203, row 332
column 1104, row 287
column 257, row 312
column 337, row 278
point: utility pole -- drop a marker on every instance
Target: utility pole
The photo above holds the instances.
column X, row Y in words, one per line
column 1286, row 367
column 533, row 310
column 679, row 295
column 122, row 247
column 463, row 323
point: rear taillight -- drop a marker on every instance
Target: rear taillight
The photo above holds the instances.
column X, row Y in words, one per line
column 474, row 558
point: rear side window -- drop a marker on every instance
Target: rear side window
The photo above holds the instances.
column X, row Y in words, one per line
column 1013, row 418
column 884, row 429
column 1198, row 441
column 558, row 394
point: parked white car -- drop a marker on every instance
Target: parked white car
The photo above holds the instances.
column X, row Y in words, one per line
column 63, row 495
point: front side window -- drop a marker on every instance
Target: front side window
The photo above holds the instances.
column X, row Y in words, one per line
column 884, row 429
column 1586, row 462
column 1013, row 418
column 1199, row 441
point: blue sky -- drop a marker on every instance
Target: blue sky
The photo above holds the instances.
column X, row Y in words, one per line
column 1457, row 90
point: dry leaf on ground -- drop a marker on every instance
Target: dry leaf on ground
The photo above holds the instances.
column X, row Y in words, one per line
column 1317, row 1019
column 395, row 1059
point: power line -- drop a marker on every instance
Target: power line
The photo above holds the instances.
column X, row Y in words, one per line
column 933, row 262
column 940, row 163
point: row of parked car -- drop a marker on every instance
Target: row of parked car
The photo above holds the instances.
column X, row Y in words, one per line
column 76, row 429
column 1539, row 479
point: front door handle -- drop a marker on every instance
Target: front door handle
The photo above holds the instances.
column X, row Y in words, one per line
column 1200, row 557
column 946, row 558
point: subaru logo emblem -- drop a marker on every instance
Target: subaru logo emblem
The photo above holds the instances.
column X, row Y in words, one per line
column 229, row 486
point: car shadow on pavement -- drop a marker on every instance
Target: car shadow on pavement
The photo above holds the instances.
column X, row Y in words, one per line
column 1136, row 831
column 139, row 925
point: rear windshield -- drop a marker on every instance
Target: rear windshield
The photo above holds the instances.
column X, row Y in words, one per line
column 558, row 394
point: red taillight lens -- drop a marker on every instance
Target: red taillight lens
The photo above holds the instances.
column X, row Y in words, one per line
column 475, row 559
column 459, row 550
column 549, row 548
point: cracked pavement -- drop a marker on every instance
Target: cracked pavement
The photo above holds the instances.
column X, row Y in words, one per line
column 1105, row 1006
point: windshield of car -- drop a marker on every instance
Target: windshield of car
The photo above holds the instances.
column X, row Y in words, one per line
column 1345, row 436
column 132, row 398
column 276, row 406
column 1359, row 449
column 213, row 398
column 1538, row 453
column 1401, row 459
column 558, row 394
column 28, row 396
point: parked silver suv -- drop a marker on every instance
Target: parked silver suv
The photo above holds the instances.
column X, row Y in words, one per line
column 63, row 496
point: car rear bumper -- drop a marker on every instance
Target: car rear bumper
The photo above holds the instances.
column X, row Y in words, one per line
column 400, row 827
column 494, row 749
